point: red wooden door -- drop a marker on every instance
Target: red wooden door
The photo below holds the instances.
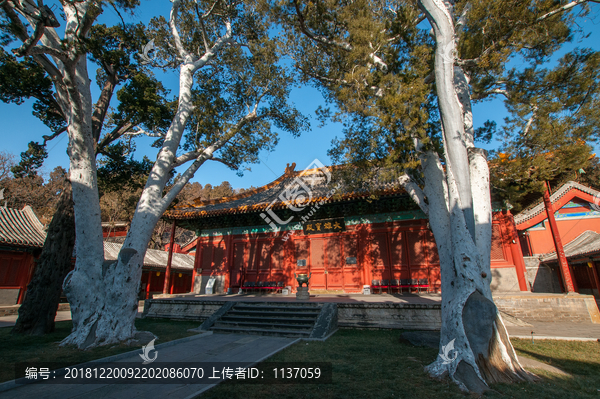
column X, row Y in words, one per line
column 352, row 270
column 334, row 272
column 417, row 254
column 399, row 254
column 379, row 257
column 318, row 278
column 237, row 273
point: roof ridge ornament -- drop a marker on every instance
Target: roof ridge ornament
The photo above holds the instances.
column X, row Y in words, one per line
column 290, row 170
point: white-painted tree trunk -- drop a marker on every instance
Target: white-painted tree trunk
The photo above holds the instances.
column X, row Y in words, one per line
column 460, row 217
column 104, row 295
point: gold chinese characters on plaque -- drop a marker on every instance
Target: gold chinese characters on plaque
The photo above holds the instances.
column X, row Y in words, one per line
column 324, row 226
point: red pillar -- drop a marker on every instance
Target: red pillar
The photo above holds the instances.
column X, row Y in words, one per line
column 150, row 272
column 170, row 258
column 592, row 266
column 516, row 250
column 196, row 264
column 560, row 253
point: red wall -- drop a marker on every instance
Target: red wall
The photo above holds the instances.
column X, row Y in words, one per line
column 16, row 268
column 398, row 250
column 541, row 240
column 181, row 282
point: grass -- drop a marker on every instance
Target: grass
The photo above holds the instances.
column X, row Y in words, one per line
column 366, row 364
column 25, row 349
column 378, row 364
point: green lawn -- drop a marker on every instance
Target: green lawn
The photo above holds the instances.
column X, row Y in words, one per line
column 16, row 348
column 366, row 364
column 377, row 364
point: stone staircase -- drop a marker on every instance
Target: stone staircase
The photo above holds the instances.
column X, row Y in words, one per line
column 270, row 318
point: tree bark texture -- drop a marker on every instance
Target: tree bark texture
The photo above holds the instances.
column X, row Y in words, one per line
column 36, row 315
column 104, row 294
column 460, row 218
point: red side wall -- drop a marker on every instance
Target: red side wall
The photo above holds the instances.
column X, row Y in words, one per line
column 541, row 242
column 181, row 282
column 16, row 268
column 398, row 250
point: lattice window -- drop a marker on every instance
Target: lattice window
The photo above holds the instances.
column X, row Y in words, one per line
column 301, row 251
column 332, row 252
column 263, row 264
column 278, row 254
column 398, row 248
column 207, row 256
column 219, row 256
column 317, row 253
column 497, row 253
column 416, row 249
column 253, row 255
column 379, row 251
column 350, row 249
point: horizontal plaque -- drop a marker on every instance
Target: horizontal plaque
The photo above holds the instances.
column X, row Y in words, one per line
column 301, row 263
column 351, row 260
column 324, row 226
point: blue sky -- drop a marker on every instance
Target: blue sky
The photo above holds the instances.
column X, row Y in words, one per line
column 19, row 126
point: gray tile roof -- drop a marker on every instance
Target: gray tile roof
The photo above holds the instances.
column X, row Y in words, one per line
column 21, row 228
column 153, row 258
column 306, row 187
column 587, row 243
column 558, row 194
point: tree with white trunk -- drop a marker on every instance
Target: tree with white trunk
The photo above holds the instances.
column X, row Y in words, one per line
column 231, row 86
column 403, row 75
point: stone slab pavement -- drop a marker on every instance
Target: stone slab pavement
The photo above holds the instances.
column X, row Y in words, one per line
column 208, row 347
column 549, row 330
column 7, row 321
column 61, row 315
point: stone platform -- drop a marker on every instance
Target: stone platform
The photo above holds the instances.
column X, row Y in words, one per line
column 374, row 311
column 407, row 311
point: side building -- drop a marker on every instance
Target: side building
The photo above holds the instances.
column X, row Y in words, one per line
column 22, row 237
column 303, row 222
column 576, row 211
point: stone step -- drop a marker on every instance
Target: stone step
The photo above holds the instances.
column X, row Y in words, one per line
column 260, row 313
column 275, row 306
column 262, row 331
column 265, row 325
column 268, row 319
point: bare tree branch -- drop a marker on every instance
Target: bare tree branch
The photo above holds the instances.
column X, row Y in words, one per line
column 32, row 40
column 173, row 26
column 209, row 55
column 565, row 8
column 204, row 35
column 318, row 38
column 498, row 91
column 207, row 153
column 210, row 11
column 54, row 135
column 103, row 103
column 40, row 49
column 414, row 191
column 115, row 134
column 228, row 164
column 534, row 109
